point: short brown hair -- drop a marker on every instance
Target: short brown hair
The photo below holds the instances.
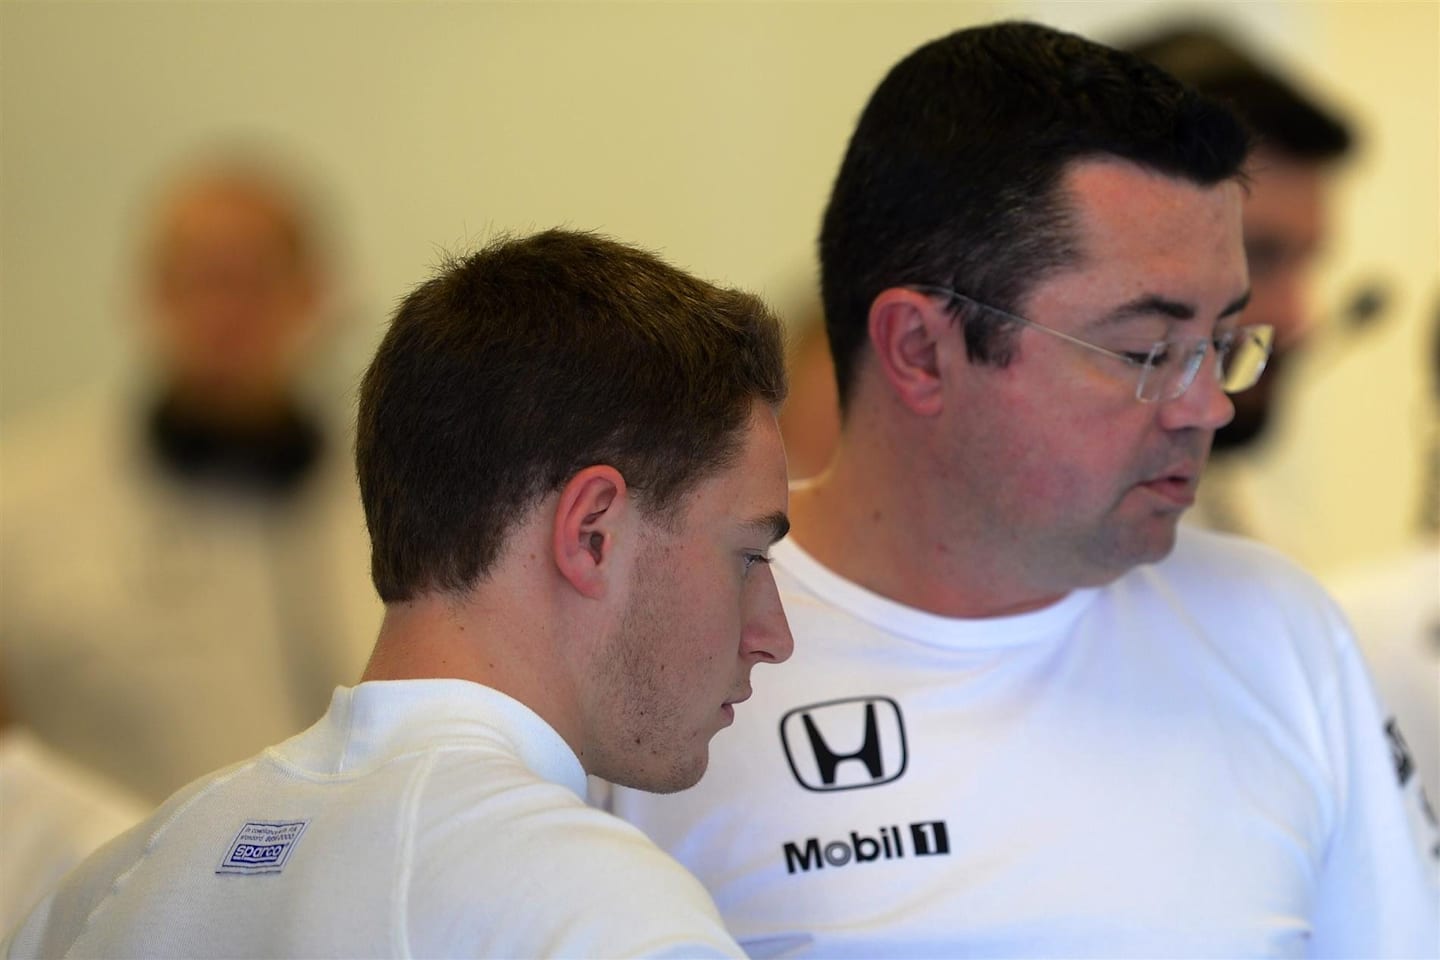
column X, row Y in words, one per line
column 518, row 366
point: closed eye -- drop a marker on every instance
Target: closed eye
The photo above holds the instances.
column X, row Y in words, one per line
column 753, row 558
column 1151, row 357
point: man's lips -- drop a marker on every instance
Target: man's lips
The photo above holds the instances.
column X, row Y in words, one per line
column 728, row 707
column 1176, row 486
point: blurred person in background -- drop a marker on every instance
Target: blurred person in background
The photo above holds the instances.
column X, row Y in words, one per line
column 184, row 573
column 1299, row 143
column 1395, row 607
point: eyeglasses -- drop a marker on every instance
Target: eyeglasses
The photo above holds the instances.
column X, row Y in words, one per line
column 1168, row 367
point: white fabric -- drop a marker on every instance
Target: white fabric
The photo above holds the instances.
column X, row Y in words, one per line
column 53, row 814
column 1395, row 607
column 154, row 631
column 1187, row 762
column 441, row 818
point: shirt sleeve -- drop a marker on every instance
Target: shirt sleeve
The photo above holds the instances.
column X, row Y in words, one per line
column 1378, row 889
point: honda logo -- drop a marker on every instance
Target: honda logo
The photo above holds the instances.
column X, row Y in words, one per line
column 845, row 744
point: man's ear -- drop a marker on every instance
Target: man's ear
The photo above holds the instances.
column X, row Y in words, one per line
column 589, row 515
column 907, row 330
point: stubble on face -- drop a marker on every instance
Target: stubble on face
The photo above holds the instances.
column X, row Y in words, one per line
column 693, row 624
column 645, row 703
column 1133, row 541
column 1128, row 527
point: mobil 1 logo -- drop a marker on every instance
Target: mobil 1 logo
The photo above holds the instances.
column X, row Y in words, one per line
column 928, row 838
column 845, row 744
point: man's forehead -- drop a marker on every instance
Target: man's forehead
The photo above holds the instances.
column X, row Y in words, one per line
column 759, row 475
column 1266, row 163
column 225, row 211
column 1288, row 202
column 1146, row 237
column 751, row 490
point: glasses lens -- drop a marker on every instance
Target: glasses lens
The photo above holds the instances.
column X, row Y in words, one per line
column 1170, row 370
column 1156, row 373
column 1243, row 359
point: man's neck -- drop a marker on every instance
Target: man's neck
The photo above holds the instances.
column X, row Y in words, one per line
column 467, row 638
column 879, row 519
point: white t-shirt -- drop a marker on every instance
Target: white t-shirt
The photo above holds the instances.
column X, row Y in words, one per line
column 53, row 814
column 1395, row 607
column 1186, row 762
column 425, row 818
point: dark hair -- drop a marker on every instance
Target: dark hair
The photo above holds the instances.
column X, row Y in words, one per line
column 522, row 364
column 1279, row 115
column 953, row 173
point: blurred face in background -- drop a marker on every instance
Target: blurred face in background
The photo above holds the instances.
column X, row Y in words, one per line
column 1285, row 228
column 233, row 295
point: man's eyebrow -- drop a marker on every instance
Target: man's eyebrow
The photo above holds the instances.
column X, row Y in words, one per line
column 1236, row 305
column 1150, row 304
column 777, row 524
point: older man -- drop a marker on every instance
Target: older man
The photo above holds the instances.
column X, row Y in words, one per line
column 1029, row 718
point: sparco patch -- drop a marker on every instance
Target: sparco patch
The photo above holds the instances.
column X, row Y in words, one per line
column 262, row 846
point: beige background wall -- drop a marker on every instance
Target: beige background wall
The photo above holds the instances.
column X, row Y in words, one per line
column 708, row 131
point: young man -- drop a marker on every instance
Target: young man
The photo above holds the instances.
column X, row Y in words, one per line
column 572, row 473
column 1026, row 721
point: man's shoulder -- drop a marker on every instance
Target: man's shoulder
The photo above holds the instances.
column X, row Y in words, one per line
column 1208, row 556
column 495, row 804
column 1201, row 542
column 608, row 889
column 59, row 920
column 1247, row 603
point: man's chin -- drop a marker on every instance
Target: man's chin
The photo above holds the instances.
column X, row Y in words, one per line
column 1150, row 543
column 680, row 776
